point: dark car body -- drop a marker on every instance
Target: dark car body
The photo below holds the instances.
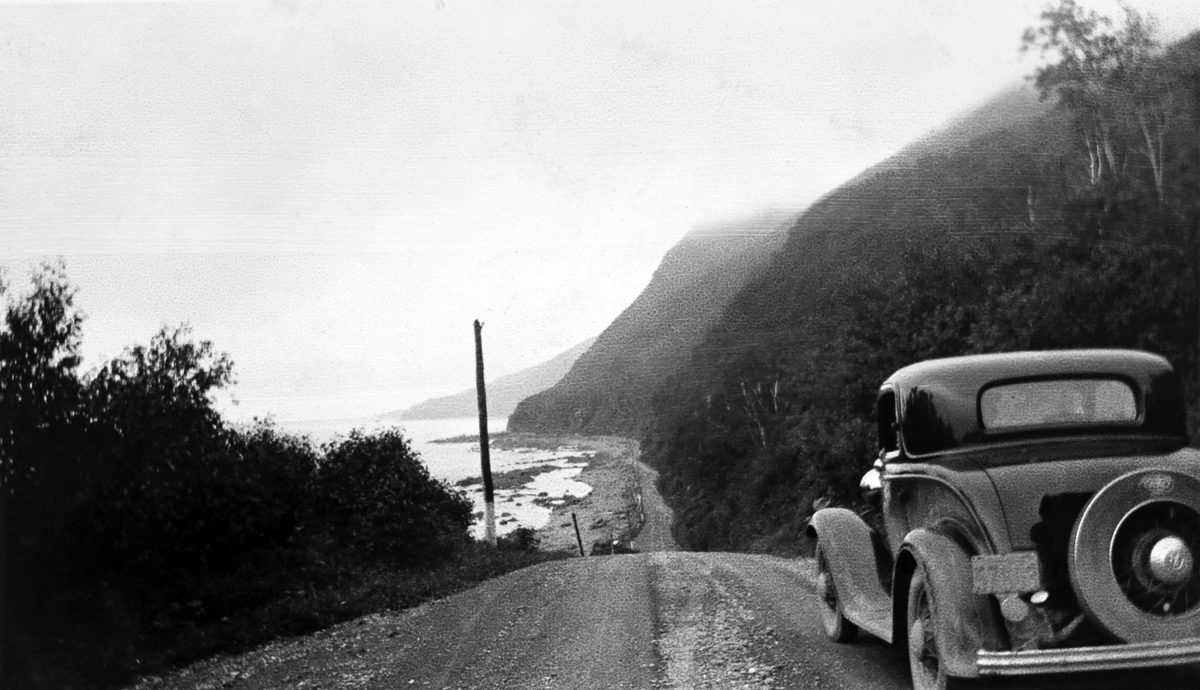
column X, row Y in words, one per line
column 1039, row 512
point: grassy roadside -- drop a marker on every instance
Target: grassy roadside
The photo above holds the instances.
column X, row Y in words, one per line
column 315, row 599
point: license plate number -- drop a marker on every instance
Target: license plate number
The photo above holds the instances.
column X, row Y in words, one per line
column 1014, row 572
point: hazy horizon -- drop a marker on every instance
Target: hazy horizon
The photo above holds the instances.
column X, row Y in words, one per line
column 332, row 194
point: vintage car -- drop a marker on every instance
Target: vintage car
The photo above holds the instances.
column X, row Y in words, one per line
column 1033, row 512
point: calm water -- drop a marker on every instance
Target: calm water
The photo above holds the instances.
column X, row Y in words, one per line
column 449, row 461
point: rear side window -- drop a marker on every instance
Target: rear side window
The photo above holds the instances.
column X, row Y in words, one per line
column 886, row 417
column 1057, row 402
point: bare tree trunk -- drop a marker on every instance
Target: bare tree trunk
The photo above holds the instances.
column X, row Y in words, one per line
column 1153, row 136
column 1109, row 152
column 1030, row 209
column 1093, row 160
column 750, row 405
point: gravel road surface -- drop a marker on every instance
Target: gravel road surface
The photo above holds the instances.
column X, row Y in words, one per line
column 648, row 620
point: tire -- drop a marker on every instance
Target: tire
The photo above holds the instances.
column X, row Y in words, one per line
column 1109, row 556
column 924, row 659
column 833, row 618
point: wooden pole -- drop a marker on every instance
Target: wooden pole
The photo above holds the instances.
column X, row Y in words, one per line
column 578, row 539
column 485, row 460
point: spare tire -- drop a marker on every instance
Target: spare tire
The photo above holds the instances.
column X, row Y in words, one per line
column 1133, row 556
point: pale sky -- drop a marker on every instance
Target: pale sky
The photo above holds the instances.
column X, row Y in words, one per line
column 332, row 192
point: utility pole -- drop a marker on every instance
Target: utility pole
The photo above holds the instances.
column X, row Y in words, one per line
column 489, row 500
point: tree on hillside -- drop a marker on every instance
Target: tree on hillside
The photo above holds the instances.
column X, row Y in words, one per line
column 1101, row 74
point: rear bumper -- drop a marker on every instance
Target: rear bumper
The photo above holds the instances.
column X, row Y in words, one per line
column 1106, row 658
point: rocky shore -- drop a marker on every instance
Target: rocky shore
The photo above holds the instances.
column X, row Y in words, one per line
column 607, row 514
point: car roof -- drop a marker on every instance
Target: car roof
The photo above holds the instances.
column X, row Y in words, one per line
column 938, row 398
column 973, row 371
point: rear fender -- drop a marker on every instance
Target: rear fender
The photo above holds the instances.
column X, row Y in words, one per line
column 965, row 622
column 851, row 552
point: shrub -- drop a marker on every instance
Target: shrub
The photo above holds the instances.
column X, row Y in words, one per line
column 520, row 539
column 375, row 498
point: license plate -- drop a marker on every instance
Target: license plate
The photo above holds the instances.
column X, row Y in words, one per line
column 1014, row 572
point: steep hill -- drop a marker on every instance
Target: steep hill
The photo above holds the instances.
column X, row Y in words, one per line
column 608, row 389
column 503, row 394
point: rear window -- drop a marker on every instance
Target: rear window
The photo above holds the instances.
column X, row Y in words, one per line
column 1057, row 402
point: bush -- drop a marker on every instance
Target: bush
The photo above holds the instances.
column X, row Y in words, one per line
column 375, row 498
column 520, row 539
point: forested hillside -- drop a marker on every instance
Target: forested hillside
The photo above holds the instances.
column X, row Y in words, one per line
column 1073, row 220
column 608, row 389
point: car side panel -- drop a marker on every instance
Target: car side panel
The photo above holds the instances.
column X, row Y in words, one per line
column 926, row 495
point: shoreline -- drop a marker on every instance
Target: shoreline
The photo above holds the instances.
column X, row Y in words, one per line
column 606, row 514
column 609, row 513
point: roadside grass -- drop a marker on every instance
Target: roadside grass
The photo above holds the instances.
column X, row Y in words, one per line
column 275, row 596
column 324, row 595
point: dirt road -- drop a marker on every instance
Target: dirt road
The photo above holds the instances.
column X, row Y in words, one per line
column 655, row 534
column 650, row 620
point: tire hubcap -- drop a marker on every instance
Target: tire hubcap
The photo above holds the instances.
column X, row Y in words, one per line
column 1171, row 560
column 1153, row 558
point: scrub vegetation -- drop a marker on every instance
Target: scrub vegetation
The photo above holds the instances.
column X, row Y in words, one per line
column 1069, row 221
column 139, row 530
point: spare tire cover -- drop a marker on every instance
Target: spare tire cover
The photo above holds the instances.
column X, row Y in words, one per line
column 1133, row 556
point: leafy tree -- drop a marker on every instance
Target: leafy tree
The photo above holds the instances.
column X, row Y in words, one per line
column 40, row 395
column 46, row 437
column 165, row 499
column 1099, row 72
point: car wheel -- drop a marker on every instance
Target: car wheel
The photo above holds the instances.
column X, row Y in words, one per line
column 1133, row 556
column 837, row 627
column 924, row 659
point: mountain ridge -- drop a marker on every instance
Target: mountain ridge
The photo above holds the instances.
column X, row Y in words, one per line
column 503, row 393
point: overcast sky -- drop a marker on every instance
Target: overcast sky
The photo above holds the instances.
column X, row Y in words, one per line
column 332, row 193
